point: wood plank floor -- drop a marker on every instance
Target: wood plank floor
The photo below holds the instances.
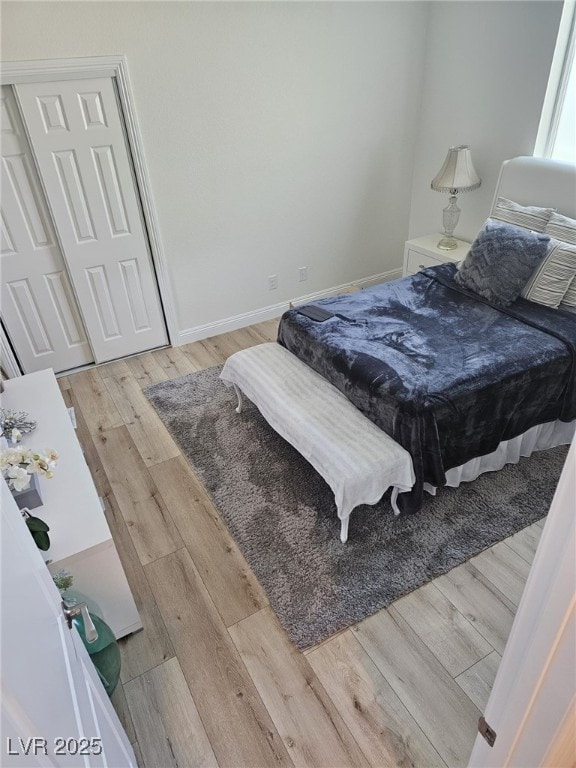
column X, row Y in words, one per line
column 213, row 680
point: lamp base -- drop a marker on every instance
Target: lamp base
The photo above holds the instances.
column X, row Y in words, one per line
column 450, row 216
column 448, row 244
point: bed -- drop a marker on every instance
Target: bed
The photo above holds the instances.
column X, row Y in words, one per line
column 460, row 380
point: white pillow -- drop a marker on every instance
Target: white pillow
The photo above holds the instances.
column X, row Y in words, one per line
column 564, row 228
column 569, row 300
column 527, row 216
column 552, row 278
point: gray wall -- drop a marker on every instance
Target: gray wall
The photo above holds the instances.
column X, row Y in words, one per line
column 281, row 135
column 486, row 71
column 277, row 135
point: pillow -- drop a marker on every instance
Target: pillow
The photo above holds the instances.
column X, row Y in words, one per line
column 569, row 300
column 528, row 216
column 501, row 260
column 553, row 276
column 562, row 228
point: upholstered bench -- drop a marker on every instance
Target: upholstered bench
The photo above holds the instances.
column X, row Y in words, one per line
column 357, row 459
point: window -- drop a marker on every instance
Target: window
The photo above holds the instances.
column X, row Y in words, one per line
column 557, row 131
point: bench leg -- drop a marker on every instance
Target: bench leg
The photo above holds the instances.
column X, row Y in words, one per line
column 238, row 408
column 344, row 530
column 394, row 500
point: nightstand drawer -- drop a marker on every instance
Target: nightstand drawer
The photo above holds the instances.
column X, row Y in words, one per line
column 422, row 252
column 417, row 261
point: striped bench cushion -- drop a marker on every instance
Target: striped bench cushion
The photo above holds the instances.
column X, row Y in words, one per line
column 357, row 459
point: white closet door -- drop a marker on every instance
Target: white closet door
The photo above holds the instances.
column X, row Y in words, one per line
column 77, row 135
column 38, row 305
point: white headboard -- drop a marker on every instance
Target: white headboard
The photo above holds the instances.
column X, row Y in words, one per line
column 537, row 181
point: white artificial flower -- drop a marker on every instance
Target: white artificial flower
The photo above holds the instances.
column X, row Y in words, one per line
column 19, row 463
column 44, row 462
column 50, row 456
column 16, row 435
column 12, row 456
column 22, row 453
column 19, row 478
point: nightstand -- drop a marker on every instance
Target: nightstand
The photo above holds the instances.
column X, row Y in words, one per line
column 424, row 252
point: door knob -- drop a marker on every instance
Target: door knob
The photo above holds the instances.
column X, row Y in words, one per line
column 80, row 609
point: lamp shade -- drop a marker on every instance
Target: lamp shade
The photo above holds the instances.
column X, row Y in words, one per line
column 458, row 173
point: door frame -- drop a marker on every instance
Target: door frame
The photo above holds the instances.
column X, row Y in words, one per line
column 46, row 70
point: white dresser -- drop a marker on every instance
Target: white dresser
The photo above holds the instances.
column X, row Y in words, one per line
column 423, row 252
column 80, row 537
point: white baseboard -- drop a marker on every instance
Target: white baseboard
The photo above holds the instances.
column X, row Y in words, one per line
column 200, row 332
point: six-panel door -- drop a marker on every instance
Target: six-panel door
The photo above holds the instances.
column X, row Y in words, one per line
column 82, row 155
column 38, row 304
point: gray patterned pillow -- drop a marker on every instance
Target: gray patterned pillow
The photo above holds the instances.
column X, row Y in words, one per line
column 501, row 260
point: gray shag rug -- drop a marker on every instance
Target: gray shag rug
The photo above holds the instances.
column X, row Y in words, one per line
column 283, row 516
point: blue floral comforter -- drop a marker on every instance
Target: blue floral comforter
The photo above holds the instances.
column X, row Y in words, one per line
column 445, row 373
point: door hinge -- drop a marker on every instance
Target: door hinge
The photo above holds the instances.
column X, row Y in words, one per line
column 485, row 730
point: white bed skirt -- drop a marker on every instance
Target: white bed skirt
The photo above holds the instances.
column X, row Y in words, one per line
column 537, row 438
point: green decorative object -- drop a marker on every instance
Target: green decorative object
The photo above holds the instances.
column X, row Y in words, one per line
column 104, row 651
column 63, row 580
column 39, row 531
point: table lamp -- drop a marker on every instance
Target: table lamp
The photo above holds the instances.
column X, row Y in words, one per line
column 456, row 175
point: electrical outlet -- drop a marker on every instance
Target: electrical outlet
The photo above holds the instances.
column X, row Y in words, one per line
column 302, row 274
column 272, row 282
